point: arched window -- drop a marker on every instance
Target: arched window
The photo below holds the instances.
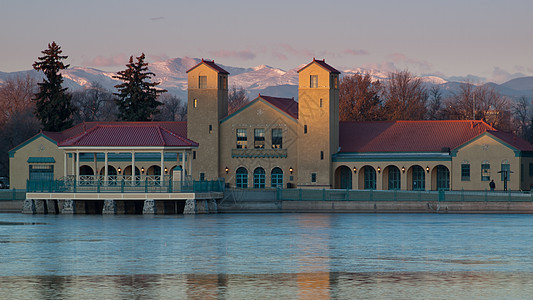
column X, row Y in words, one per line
column 242, row 178
column 276, row 178
column 419, row 179
column 394, row 178
column 370, row 178
column 259, row 178
column 506, row 170
column 485, row 170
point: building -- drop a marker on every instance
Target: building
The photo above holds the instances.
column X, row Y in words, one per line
column 277, row 142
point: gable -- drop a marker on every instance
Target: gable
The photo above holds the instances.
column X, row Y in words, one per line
column 260, row 106
column 484, row 142
column 30, row 141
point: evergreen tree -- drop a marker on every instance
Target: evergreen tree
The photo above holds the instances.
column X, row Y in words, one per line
column 53, row 105
column 137, row 96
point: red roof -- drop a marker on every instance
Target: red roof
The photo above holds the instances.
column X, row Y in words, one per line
column 407, row 136
column 513, row 140
column 210, row 63
column 323, row 64
column 288, row 105
column 154, row 134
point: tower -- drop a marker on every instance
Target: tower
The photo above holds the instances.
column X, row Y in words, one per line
column 318, row 123
column 207, row 103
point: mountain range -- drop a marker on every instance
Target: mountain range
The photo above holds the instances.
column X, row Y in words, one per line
column 262, row 79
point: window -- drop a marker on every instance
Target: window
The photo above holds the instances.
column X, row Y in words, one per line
column 485, row 171
column 419, row 179
column 305, row 129
column 276, row 178
column 259, row 178
column 313, row 177
column 194, row 155
column 394, row 178
column 259, row 138
column 202, row 82
column 202, row 176
column 369, row 178
column 335, row 82
column 195, row 103
column 530, row 169
column 242, row 140
column 210, row 129
column 506, row 170
column 241, row 178
column 321, row 102
column 321, row 155
column 465, row 172
column 42, row 172
column 277, row 138
column 223, row 82
column 314, row 81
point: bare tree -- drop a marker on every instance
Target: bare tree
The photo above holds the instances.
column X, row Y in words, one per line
column 435, row 109
column 405, row 97
column 522, row 117
column 359, row 98
column 94, row 104
column 15, row 96
column 480, row 103
column 237, row 98
column 173, row 109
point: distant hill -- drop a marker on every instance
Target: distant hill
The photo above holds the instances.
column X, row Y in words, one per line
column 261, row 79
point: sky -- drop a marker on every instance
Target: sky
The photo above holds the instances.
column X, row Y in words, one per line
column 455, row 39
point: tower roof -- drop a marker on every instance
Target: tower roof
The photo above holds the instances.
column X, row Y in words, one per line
column 211, row 64
column 323, row 64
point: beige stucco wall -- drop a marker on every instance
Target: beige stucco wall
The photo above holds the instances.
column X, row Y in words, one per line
column 39, row 147
column 322, row 126
column 259, row 114
column 485, row 148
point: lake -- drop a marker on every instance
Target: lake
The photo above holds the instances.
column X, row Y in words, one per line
column 266, row 256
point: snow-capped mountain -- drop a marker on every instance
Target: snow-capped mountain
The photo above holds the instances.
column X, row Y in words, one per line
column 262, row 79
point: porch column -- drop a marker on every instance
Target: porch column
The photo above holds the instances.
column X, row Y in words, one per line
column 162, row 168
column 106, row 172
column 95, row 160
column 73, row 163
column 182, row 164
column 189, row 157
column 77, row 166
column 133, row 166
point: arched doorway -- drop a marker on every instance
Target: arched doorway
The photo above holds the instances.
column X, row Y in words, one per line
column 241, row 178
column 276, row 178
column 112, row 171
column 343, row 178
column 418, row 178
column 392, row 173
column 368, row 176
column 86, row 170
column 443, row 178
column 259, row 178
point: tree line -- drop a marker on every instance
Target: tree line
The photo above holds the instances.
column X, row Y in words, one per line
column 404, row 96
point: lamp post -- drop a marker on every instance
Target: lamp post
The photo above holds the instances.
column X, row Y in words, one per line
column 505, row 172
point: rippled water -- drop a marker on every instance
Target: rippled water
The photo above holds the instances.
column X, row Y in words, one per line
column 266, row 256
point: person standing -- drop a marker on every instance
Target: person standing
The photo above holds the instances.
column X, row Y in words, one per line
column 492, row 185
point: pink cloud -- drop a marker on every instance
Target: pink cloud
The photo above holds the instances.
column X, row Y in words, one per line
column 102, row 61
column 355, row 52
column 242, row 54
column 397, row 58
column 279, row 55
column 500, row 75
column 297, row 52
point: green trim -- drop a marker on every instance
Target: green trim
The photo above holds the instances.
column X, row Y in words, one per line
column 346, row 159
column 253, row 102
column 41, row 160
column 40, row 134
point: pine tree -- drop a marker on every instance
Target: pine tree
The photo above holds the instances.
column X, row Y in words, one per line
column 137, row 96
column 53, row 105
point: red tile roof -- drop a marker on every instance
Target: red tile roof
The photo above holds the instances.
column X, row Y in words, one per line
column 323, row 64
column 288, row 105
column 212, row 65
column 407, row 136
column 154, row 134
column 513, row 140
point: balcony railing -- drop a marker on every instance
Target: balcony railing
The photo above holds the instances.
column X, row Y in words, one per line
column 259, row 153
column 123, row 184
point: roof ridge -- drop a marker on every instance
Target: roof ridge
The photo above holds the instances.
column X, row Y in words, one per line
column 178, row 136
column 161, row 135
column 81, row 134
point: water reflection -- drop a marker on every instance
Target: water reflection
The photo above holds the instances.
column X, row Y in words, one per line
column 454, row 285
